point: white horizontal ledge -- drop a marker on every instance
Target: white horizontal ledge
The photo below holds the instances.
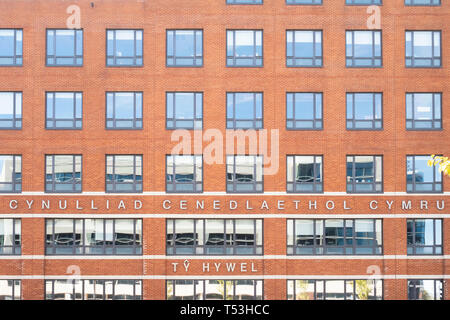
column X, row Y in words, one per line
column 222, row 193
column 204, row 257
column 300, row 215
column 237, row 277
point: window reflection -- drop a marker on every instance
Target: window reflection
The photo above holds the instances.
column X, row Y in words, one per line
column 123, row 173
column 335, row 289
column 420, row 177
column 424, row 236
column 184, row 48
column 334, row 236
column 244, row 48
column 214, row 289
column 244, row 174
column 93, row 289
column 425, row 289
column 93, row 236
column 214, row 236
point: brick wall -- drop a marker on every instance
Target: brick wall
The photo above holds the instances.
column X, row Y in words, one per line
column 214, row 79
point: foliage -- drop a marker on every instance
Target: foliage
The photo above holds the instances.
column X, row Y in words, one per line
column 443, row 162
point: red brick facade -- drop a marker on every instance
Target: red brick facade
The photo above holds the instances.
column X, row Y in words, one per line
column 214, row 79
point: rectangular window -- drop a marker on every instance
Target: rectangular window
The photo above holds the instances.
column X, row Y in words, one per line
column 307, row 2
column 421, row 178
column 362, row 2
column 123, row 173
column 10, row 236
column 424, row 111
column 124, row 48
column 364, row 174
column 11, row 46
column 334, row 237
column 10, row 289
column 423, row 49
column 244, row 1
column 93, row 237
column 10, row 174
column 64, row 110
column 184, row 173
column 335, row 289
column 244, row 48
column 426, row 289
column 63, row 173
column 304, row 48
column 124, row 110
column 81, row 289
column 184, row 48
column 424, row 236
column 244, row 174
column 422, row 2
column 64, row 47
column 364, row 111
column 10, row 110
column 214, row 237
column 363, row 48
column 244, row 110
column 304, row 111
column 304, row 174
column 184, row 110
column 214, row 289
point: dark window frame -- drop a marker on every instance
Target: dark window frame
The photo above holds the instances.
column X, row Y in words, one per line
column 51, row 247
column 321, row 250
column 433, row 120
column 50, row 284
column 16, row 56
column 351, row 56
column 413, row 4
column 324, row 283
column 255, row 58
column 313, row 3
column 55, row 57
column 16, row 248
column 412, row 247
column 195, row 283
column 294, row 183
column 433, row 56
column 233, row 183
column 317, row 120
column 53, row 182
column 314, row 58
column 75, row 120
column 135, row 57
column 374, row 119
column 135, row 119
column 353, row 177
column 413, row 289
column 16, row 183
column 256, row 120
column 413, row 182
column 15, row 120
column 356, row 3
column 175, row 57
column 236, row 2
column 14, row 295
column 173, row 181
column 135, row 182
column 197, row 118
column 196, row 249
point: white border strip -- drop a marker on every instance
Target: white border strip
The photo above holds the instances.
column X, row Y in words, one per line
column 222, row 193
column 301, row 215
column 193, row 258
column 200, row 277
